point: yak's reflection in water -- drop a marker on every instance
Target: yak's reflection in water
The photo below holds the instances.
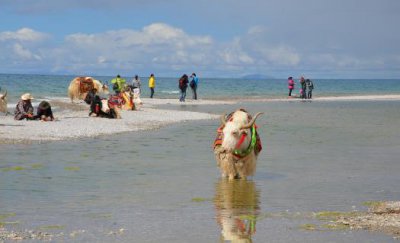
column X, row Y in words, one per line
column 237, row 208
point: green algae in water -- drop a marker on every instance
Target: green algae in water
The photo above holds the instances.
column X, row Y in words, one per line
column 85, row 155
column 36, row 166
column 6, row 215
column 72, row 168
column 371, row 204
column 328, row 215
column 199, row 199
column 8, row 223
column 311, row 227
column 335, row 226
column 52, row 227
column 13, row 168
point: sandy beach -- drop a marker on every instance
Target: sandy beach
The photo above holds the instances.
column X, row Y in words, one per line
column 73, row 121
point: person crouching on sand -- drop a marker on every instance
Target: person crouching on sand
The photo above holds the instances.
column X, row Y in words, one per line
column 24, row 108
column 44, row 112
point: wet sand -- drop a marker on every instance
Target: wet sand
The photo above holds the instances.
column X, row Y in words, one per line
column 163, row 185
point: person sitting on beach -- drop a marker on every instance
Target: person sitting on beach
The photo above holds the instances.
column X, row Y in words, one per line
column 94, row 101
column 44, row 112
column 24, row 108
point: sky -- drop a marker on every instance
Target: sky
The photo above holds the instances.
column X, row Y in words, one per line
column 214, row 38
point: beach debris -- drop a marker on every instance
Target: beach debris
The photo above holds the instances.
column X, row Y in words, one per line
column 76, row 232
column 116, row 232
column 380, row 217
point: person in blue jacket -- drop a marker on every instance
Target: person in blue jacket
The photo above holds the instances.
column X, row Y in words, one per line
column 193, row 85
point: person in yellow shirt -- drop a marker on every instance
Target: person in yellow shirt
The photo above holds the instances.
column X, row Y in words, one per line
column 152, row 85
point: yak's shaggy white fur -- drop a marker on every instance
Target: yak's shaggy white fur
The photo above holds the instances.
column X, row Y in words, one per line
column 74, row 88
column 233, row 166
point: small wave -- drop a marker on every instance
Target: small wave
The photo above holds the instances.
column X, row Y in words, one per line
column 169, row 91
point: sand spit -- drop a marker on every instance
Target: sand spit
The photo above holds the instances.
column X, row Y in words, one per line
column 327, row 98
column 381, row 216
column 73, row 122
column 360, row 97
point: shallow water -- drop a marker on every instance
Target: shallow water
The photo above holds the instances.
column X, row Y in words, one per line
column 163, row 186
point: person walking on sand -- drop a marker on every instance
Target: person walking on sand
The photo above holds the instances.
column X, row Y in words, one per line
column 24, row 108
column 290, row 85
column 303, row 88
column 183, row 84
column 310, row 87
column 152, row 85
column 193, row 85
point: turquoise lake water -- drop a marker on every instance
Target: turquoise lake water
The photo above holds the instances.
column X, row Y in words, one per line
column 43, row 86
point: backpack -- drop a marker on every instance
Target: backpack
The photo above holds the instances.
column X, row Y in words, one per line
column 310, row 84
column 180, row 83
column 192, row 84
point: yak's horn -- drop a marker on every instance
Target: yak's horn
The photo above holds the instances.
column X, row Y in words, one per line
column 223, row 119
column 250, row 124
column 4, row 95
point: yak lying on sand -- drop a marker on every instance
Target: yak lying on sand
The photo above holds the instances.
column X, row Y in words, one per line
column 3, row 103
column 237, row 145
column 79, row 87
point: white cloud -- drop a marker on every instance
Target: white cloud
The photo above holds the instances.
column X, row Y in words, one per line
column 23, row 35
column 165, row 49
column 24, row 53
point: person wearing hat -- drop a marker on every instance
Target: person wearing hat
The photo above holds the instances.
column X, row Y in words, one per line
column 44, row 112
column 24, row 108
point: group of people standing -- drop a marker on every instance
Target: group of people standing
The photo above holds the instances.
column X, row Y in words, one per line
column 184, row 83
column 306, row 87
column 119, row 83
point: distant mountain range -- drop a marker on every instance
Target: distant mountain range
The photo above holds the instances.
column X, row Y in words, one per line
column 257, row 76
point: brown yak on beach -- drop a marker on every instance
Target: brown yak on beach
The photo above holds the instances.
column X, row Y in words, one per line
column 79, row 87
column 3, row 103
column 237, row 145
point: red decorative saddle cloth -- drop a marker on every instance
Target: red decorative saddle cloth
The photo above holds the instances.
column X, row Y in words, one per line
column 85, row 84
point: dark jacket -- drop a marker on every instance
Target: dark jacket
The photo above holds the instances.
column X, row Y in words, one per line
column 183, row 82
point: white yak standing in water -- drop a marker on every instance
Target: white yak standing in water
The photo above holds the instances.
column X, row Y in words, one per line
column 3, row 103
column 237, row 145
column 79, row 87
